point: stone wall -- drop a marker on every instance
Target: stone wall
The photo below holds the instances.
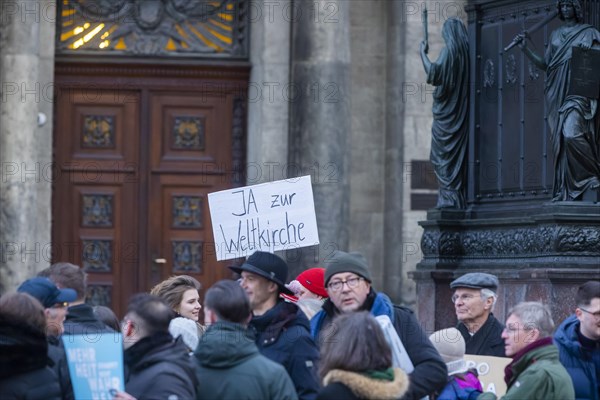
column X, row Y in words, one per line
column 26, row 73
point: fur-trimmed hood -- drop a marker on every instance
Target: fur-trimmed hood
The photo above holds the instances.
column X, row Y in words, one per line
column 368, row 388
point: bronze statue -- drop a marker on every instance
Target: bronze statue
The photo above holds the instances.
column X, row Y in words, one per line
column 449, row 131
column 574, row 120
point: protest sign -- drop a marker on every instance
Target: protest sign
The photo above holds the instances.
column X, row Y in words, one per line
column 95, row 365
column 491, row 372
column 268, row 217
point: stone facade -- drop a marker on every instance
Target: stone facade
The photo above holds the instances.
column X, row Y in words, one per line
column 26, row 74
column 387, row 126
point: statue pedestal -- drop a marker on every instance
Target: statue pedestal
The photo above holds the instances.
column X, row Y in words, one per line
column 539, row 253
column 540, row 250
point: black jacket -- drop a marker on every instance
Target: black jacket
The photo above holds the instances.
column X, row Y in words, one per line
column 56, row 352
column 430, row 373
column 24, row 370
column 82, row 321
column 159, row 368
column 487, row 341
column 283, row 335
column 229, row 366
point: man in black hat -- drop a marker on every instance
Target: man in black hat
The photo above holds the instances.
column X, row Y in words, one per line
column 474, row 299
column 348, row 283
column 282, row 329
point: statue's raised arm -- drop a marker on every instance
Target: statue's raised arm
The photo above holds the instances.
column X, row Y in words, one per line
column 574, row 119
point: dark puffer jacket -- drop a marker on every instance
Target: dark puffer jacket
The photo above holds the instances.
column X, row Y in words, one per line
column 160, row 368
column 581, row 363
column 24, row 370
column 229, row 366
column 283, row 335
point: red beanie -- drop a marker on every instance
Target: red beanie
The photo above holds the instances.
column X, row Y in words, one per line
column 314, row 280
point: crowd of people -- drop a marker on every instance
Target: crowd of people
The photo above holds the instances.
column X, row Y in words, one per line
column 327, row 334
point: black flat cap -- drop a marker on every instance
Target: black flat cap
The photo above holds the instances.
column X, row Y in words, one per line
column 267, row 265
column 476, row 280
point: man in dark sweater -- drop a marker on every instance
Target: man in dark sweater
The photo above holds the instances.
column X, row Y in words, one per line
column 474, row 299
column 157, row 367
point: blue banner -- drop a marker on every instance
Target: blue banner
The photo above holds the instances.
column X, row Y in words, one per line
column 95, row 366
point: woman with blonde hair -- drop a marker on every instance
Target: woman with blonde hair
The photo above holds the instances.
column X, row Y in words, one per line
column 182, row 294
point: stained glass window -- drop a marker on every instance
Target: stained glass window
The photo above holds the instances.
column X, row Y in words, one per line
column 216, row 28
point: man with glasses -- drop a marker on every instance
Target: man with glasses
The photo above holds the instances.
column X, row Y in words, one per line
column 474, row 299
column 535, row 371
column 578, row 341
column 348, row 284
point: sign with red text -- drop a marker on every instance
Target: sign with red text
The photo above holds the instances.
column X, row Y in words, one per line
column 267, row 217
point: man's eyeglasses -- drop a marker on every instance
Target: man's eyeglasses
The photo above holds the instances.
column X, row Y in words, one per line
column 593, row 314
column 463, row 297
column 338, row 285
column 61, row 305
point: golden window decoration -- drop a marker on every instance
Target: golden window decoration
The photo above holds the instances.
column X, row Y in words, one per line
column 215, row 28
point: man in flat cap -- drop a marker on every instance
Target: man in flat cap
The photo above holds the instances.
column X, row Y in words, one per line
column 474, row 299
column 348, row 284
column 282, row 329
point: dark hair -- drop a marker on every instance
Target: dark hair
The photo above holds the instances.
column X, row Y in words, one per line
column 171, row 290
column 67, row 275
column 587, row 292
column 151, row 312
column 229, row 301
column 24, row 308
column 357, row 345
column 576, row 5
column 107, row 316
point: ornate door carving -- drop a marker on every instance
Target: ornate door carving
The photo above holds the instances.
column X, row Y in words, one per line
column 137, row 149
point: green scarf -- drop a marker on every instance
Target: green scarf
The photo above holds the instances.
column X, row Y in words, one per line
column 382, row 375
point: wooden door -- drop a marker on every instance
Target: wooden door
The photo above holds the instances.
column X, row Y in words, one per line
column 135, row 158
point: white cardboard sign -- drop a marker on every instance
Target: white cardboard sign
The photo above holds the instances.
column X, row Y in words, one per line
column 268, row 217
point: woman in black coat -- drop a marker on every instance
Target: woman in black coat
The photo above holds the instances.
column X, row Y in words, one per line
column 24, row 370
column 356, row 362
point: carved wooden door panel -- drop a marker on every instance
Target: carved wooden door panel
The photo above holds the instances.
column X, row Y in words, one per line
column 96, row 189
column 190, row 151
column 135, row 158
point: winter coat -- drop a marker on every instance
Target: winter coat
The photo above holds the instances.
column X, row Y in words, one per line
column 158, row 367
column 487, row 341
column 536, row 374
column 56, row 352
column 229, row 366
column 462, row 387
column 283, row 335
column 582, row 364
column 24, row 370
column 81, row 321
column 353, row 386
column 430, row 373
